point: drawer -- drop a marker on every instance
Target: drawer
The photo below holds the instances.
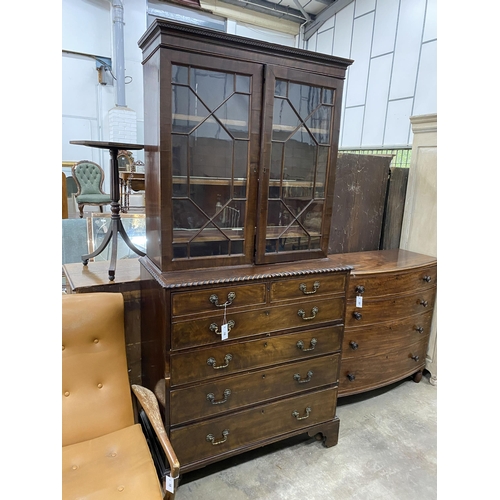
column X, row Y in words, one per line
column 361, row 374
column 376, row 285
column 381, row 337
column 225, row 359
column 224, row 434
column 308, row 286
column 207, row 330
column 221, row 395
column 375, row 311
column 213, row 299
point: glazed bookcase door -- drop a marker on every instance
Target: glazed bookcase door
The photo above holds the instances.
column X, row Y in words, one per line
column 215, row 126
column 300, row 144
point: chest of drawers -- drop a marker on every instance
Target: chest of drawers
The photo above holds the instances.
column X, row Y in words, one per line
column 390, row 300
column 242, row 359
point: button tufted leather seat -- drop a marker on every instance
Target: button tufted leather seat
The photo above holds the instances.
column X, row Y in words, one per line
column 105, row 454
column 89, row 178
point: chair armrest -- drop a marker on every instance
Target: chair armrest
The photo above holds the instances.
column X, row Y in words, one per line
column 149, row 404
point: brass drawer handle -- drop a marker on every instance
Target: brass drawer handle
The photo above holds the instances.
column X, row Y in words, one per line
column 419, row 329
column 211, row 362
column 303, row 288
column 353, row 345
column 214, row 328
column 302, row 313
column 351, row 377
column 360, row 289
column 296, row 414
column 424, row 303
column 357, row 315
column 215, row 300
column 427, row 279
column 415, row 358
column 211, row 397
column 304, row 380
column 211, row 438
column 300, row 345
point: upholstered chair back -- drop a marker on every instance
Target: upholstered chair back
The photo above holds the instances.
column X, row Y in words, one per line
column 90, row 178
column 96, row 397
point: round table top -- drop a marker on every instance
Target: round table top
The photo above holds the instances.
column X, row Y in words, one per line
column 108, row 145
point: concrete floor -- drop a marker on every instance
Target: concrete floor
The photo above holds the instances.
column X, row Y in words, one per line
column 387, row 450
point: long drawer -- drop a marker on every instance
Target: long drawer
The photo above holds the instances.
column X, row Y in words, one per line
column 358, row 375
column 381, row 337
column 224, row 359
column 216, row 298
column 376, row 285
column 305, row 313
column 222, row 395
column 374, row 311
column 317, row 285
column 223, row 434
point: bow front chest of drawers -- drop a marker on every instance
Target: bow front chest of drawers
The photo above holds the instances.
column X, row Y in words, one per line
column 389, row 312
column 275, row 375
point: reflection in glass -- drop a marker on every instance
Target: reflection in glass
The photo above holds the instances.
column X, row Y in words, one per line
column 285, row 120
column 187, row 110
column 233, row 114
column 212, row 87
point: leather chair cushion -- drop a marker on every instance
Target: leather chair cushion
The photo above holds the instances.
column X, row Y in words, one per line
column 117, row 465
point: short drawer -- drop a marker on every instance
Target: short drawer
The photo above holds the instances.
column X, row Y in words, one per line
column 219, row 396
column 215, row 299
column 401, row 306
column 221, row 435
column 377, row 285
column 381, row 337
column 358, row 375
column 308, row 286
column 224, row 359
column 207, row 330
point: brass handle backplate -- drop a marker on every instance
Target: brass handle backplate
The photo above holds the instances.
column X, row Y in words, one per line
column 304, row 380
column 211, row 438
column 302, row 313
column 214, row 299
column 211, row 397
column 300, row 345
column 303, row 288
column 211, row 362
column 296, row 414
column 214, row 327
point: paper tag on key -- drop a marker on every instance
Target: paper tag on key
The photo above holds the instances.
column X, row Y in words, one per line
column 359, row 301
column 224, row 331
column 169, row 483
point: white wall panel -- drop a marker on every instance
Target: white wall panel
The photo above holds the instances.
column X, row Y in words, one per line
column 376, row 101
column 430, row 27
column 397, row 129
column 327, row 24
column 364, row 6
column 86, row 27
column 407, row 52
column 352, row 127
column 360, row 52
column 266, row 35
column 311, row 43
column 426, row 91
column 343, row 32
column 386, row 21
column 325, row 42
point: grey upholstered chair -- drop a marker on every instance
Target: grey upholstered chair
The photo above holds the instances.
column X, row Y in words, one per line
column 89, row 178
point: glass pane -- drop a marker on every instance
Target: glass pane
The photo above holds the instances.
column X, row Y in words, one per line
column 234, row 115
column 294, row 238
column 280, row 88
column 180, row 74
column 243, row 84
column 314, row 243
column 300, row 158
column 311, row 218
column 278, row 218
column 321, row 172
column 285, row 120
column 211, row 151
column 180, row 164
column 319, row 124
column 276, row 160
column 304, row 99
column 187, row 110
column 186, row 216
column 240, row 167
column 213, row 87
column 327, row 96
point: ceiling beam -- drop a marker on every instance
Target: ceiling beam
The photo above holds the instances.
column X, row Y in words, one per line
column 323, row 16
column 272, row 9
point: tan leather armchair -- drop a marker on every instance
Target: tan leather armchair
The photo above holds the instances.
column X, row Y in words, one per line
column 105, row 454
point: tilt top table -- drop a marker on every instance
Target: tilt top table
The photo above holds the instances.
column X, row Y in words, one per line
column 116, row 222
